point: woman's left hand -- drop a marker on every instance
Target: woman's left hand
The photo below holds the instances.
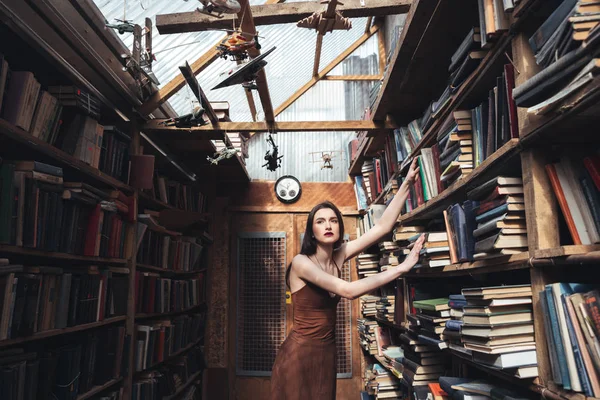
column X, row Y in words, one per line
column 413, row 257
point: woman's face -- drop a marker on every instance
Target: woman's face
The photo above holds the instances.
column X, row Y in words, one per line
column 326, row 226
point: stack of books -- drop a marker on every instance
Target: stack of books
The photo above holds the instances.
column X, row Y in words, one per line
column 432, row 315
column 366, row 333
column 500, row 217
column 435, row 251
column 368, row 305
column 385, row 308
column 367, row 264
column 387, row 249
column 498, row 328
column 451, row 333
column 456, row 148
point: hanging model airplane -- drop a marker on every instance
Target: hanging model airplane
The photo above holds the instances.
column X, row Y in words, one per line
column 123, row 26
column 216, row 8
column 221, row 155
column 237, row 44
column 326, row 21
column 244, row 74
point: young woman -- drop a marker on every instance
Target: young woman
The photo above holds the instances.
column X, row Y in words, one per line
column 305, row 366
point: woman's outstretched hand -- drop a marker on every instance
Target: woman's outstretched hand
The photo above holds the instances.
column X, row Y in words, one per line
column 413, row 172
column 413, row 257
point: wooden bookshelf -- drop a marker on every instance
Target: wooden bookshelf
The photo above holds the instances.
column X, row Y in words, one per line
column 64, row 331
column 10, row 250
column 490, row 167
column 483, row 266
column 183, row 387
column 97, row 389
column 45, row 152
column 172, row 356
column 147, row 200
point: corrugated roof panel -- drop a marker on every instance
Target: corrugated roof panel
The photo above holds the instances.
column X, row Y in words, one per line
column 302, row 156
column 363, row 61
column 334, row 43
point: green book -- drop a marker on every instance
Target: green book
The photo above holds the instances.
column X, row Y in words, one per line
column 432, row 304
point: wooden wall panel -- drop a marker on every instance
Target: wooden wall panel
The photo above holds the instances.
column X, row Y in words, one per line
column 260, row 197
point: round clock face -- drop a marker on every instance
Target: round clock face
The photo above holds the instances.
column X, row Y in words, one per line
column 287, row 189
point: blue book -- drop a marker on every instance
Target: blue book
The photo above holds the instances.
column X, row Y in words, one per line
column 454, row 325
column 494, row 212
column 457, row 297
column 556, row 376
column 555, row 334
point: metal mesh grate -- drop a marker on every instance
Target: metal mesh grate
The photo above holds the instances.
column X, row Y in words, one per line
column 260, row 301
column 343, row 331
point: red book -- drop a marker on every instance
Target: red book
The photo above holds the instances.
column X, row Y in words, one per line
column 509, row 73
column 562, row 202
column 489, row 205
column 592, row 164
column 92, row 231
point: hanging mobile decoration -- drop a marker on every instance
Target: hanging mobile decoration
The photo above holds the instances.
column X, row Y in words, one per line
column 272, row 157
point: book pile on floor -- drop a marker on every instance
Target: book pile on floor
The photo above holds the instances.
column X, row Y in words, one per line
column 498, row 328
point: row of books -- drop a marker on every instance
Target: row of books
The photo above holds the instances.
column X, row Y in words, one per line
column 36, row 299
column 177, row 194
column 575, row 180
column 156, row 341
column 39, row 210
column 571, row 315
column 173, row 253
column 62, row 373
column 168, row 378
column 154, row 294
column 564, row 46
column 65, row 117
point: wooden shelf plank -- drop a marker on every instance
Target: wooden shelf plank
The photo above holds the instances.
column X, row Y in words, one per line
column 97, row 389
column 147, row 200
column 9, row 250
column 165, row 271
column 183, row 387
column 565, row 251
column 141, row 316
column 457, row 191
column 173, row 355
column 483, row 266
column 59, row 157
column 56, row 332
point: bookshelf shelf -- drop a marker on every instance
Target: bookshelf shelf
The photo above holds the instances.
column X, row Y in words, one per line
column 483, row 266
column 54, row 155
column 10, row 250
column 146, row 267
column 153, row 203
column 566, row 251
column 183, row 387
column 56, row 332
column 360, row 154
column 390, row 324
column 97, row 389
column 457, row 191
column 172, row 356
column 169, row 314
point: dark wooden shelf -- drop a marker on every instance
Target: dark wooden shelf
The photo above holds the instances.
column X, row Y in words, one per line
column 482, row 266
column 56, row 332
column 172, row 356
column 149, row 201
column 489, row 168
column 47, row 153
column 563, row 251
column 152, row 268
column 97, row 389
column 141, row 316
column 390, row 324
column 183, row 387
column 50, row 255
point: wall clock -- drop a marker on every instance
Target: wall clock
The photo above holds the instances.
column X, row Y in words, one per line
column 288, row 189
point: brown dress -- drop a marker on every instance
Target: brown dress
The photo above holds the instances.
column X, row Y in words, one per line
column 305, row 366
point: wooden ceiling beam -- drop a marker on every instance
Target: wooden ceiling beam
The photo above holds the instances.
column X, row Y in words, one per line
column 352, row 78
column 273, row 14
column 172, row 87
column 318, row 48
column 210, row 132
column 374, row 29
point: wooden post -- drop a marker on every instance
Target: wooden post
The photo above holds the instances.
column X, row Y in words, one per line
column 130, row 254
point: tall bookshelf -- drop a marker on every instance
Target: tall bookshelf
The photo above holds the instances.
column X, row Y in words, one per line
column 551, row 256
column 186, row 291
